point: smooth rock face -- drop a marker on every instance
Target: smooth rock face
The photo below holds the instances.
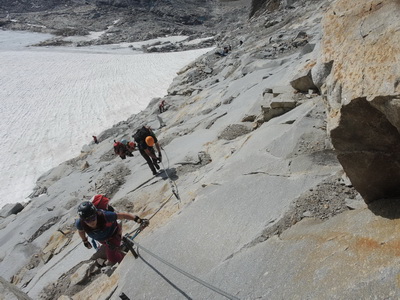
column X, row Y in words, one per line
column 11, row 292
column 363, row 93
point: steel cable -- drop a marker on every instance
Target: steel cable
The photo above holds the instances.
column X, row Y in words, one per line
column 202, row 282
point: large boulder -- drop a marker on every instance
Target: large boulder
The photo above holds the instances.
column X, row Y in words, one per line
column 362, row 91
column 10, row 209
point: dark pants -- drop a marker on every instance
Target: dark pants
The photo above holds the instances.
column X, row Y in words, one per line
column 112, row 248
column 150, row 161
column 113, row 251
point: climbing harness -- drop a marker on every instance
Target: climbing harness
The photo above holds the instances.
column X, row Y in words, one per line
column 129, row 244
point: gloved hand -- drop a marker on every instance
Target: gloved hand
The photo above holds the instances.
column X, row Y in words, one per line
column 87, row 244
column 144, row 223
column 159, row 159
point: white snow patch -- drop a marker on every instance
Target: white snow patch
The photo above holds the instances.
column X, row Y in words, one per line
column 197, row 41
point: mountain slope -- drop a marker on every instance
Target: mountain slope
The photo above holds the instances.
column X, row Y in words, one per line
column 265, row 211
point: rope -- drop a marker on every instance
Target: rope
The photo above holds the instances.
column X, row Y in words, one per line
column 138, row 230
column 162, row 205
column 175, row 192
column 211, row 287
column 134, row 233
column 173, row 185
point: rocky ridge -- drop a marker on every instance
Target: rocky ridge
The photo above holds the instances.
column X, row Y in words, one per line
column 266, row 211
column 123, row 21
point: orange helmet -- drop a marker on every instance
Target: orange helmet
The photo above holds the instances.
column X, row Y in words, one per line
column 149, row 141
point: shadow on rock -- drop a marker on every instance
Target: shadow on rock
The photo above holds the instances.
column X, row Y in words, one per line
column 386, row 208
column 168, row 174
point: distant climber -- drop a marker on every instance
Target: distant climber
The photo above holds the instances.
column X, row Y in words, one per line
column 162, row 106
column 131, row 146
column 123, row 149
column 95, row 139
column 145, row 140
column 224, row 51
column 102, row 226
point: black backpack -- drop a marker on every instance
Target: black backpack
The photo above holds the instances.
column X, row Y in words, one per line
column 141, row 134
